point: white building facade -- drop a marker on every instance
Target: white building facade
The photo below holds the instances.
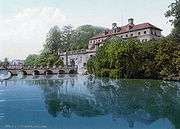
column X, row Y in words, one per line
column 79, row 58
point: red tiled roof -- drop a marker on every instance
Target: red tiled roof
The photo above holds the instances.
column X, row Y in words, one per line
column 125, row 29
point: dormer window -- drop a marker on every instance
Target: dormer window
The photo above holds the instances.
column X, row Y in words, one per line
column 152, row 32
column 130, row 27
column 118, row 29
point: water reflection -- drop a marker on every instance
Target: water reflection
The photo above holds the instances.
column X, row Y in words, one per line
column 135, row 101
column 144, row 101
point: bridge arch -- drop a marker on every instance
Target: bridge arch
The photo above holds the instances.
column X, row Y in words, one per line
column 62, row 72
column 13, row 72
column 36, row 72
column 48, row 72
column 72, row 71
column 23, row 72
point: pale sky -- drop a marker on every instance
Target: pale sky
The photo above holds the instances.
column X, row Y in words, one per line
column 25, row 23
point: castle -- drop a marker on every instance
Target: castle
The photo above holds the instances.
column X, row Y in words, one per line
column 143, row 32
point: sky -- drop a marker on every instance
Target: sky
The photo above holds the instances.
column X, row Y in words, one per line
column 24, row 24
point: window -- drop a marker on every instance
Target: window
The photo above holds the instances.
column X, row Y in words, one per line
column 144, row 40
column 155, row 33
column 126, row 35
column 152, row 32
column 121, row 36
column 131, row 35
column 139, row 33
column 145, row 32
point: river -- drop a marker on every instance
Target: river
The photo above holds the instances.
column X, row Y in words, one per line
column 87, row 102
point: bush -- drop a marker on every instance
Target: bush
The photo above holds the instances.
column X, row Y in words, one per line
column 105, row 72
column 115, row 73
column 156, row 59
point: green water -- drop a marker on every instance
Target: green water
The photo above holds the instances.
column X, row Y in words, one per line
column 86, row 102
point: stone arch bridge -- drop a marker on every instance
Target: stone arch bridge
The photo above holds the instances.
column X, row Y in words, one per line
column 43, row 71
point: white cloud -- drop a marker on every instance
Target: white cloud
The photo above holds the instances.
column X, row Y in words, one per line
column 25, row 32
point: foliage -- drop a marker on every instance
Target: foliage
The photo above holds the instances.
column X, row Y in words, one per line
column 174, row 14
column 62, row 40
column 49, row 60
column 44, row 59
column 4, row 63
column 132, row 59
column 31, row 60
column 82, row 34
column 70, row 39
column 53, row 41
column 167, row 58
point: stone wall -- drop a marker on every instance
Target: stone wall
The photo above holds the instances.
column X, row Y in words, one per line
column 80, row 59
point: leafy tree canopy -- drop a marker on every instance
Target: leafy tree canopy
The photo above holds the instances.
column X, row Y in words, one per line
column 174, row 14
column 61, row 40
column 132, row 59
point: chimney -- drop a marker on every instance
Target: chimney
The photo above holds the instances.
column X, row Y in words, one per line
column 114, row 25
column 131, row 21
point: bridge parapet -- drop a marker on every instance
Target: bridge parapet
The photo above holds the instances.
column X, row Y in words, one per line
column 43, row 71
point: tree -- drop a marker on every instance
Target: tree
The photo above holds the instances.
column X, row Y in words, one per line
column 167, row 58
column 174, row 14
column 6, row 62
column 156, row 59
column 53, row 60
column 31, row 60
column 67, row 38
column 53, row 41
column 1, row 63
column 62, row 40
column 82, row 34
column 44, row 59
